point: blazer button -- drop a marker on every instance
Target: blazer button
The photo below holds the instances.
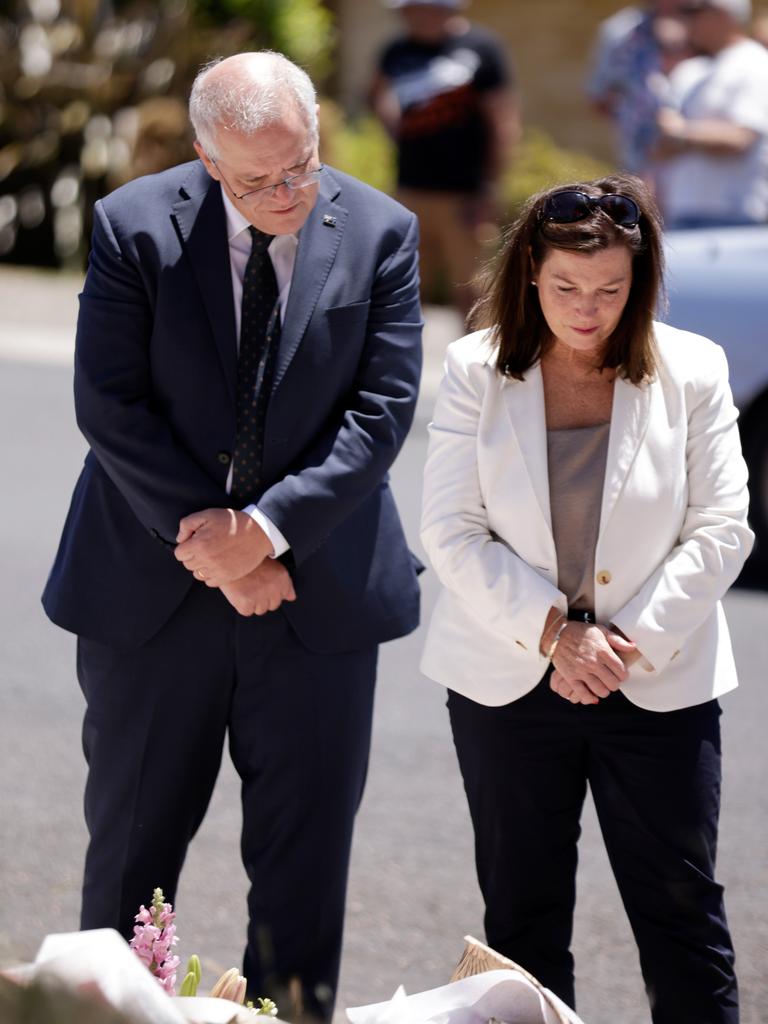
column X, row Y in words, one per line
column 603, row 577
column 224, row 458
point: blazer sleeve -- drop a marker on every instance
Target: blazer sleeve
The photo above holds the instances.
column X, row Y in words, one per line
column 350, row 459
column 493, row 582
column 715, row 539
column 133, row 444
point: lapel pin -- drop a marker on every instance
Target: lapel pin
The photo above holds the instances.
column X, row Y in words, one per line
column 329, row 221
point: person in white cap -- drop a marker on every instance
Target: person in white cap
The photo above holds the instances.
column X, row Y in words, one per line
column 714, row 133
column 635, row 50
column 444, row 91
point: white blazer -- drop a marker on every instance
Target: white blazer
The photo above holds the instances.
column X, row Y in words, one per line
column 673, row 525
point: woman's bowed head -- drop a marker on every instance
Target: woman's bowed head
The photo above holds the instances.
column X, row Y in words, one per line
column 581, row 267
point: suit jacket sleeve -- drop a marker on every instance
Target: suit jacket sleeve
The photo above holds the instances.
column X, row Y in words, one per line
column 351, row 458
column 129, row 436
column 715, row 539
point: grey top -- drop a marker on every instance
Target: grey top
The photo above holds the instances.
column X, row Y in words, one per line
column 576, row 463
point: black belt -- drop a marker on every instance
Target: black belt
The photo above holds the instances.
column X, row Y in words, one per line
column 580, row 615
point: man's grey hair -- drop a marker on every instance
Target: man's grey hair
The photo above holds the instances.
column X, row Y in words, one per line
column 261, row 87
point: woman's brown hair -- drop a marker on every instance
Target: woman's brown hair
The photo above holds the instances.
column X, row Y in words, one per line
column 509, row 304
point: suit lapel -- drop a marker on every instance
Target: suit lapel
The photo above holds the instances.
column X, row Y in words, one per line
column 630, row 414
column 199, row 214
column 319, row 241
column 524, row 401
column 629, row 422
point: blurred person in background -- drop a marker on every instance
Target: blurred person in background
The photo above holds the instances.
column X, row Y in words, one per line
column 713, row 132
column 445, row 92
column 612, row 33
column 585, row 509
column 759, row 30
column 635, row 51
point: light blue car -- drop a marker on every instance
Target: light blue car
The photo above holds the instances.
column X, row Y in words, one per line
column 717, row 284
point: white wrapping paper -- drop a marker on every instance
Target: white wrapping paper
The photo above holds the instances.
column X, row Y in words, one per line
column 505, row 995
column 102, row 958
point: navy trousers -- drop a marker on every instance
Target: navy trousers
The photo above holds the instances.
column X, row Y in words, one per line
column 655, row 781
column 299, row 726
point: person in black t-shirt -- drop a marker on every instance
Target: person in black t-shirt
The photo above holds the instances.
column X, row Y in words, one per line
column 444, row 90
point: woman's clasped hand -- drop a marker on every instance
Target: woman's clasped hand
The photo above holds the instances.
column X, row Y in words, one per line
column 590, row 662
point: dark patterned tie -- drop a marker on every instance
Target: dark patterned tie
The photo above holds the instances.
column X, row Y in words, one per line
column 259, row 337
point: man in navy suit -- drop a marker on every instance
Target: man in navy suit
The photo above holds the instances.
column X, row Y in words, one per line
column 232, row 556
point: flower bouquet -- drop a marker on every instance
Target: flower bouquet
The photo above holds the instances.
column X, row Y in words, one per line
column 486, row 988
column 95, row 976
column 154, row 937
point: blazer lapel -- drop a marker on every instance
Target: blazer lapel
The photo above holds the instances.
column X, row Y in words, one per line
column 199, row 214
column 319, row 241
column 524, row 401
column 629, row 423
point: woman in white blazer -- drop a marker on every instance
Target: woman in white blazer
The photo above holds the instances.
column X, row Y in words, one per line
column 585, row 509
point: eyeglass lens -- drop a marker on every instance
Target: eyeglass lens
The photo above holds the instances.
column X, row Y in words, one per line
column 295, row 181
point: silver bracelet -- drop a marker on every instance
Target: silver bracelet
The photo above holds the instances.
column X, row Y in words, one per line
column 556, row 641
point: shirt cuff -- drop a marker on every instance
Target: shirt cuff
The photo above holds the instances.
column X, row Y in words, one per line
column 279, row 543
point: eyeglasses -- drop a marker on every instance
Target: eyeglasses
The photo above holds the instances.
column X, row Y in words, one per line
column 258, row 195
column 569, row 206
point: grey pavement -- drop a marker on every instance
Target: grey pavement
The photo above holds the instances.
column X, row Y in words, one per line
column 413, row 893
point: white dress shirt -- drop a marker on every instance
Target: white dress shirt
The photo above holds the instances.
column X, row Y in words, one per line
column 282, row 252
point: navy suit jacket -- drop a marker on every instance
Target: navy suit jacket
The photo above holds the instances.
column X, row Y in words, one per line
column 155, row 369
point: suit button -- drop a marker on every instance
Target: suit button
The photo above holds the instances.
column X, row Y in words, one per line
column 603, row 577
column 224, row 458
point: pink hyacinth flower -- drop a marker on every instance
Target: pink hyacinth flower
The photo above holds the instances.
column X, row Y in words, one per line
column 154, row 936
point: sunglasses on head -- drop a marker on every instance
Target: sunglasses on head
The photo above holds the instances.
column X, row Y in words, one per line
column 569, row 206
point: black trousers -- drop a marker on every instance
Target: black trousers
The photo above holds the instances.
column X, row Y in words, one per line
column 655, row 781
column 299, row 726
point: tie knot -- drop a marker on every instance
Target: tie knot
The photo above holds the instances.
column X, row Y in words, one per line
column 259, row 241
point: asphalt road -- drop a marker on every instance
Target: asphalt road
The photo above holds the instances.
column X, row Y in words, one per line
column 413, row 893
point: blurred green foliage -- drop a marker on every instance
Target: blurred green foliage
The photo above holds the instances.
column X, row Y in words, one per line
column 539, row 163
column 359, row 146
column 304, row 30
column 362, row 148
column 93, row 94
column 301, row 29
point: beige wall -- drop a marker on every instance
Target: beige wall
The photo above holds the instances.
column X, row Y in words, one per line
column 364, row 26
